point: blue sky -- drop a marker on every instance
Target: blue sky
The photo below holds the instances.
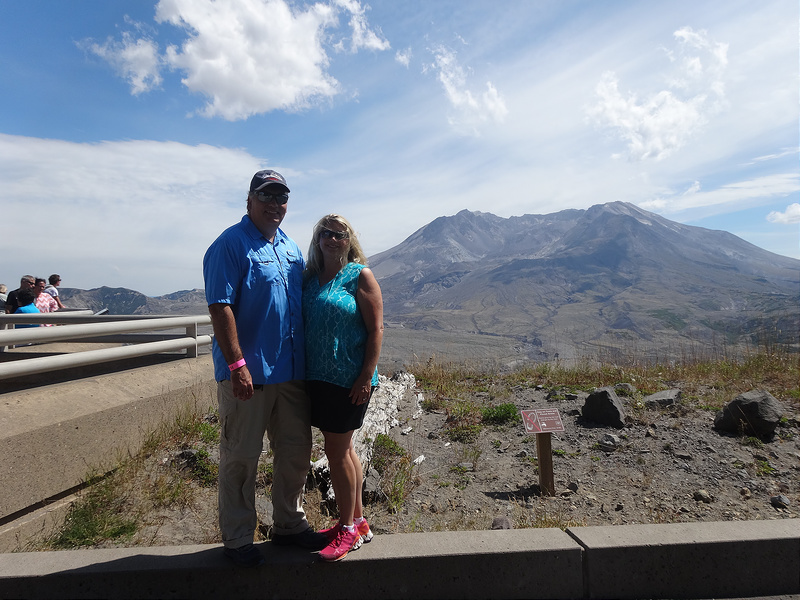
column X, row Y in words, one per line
column 129, row 130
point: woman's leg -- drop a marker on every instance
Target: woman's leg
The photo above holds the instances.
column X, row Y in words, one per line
column 358, row 509
column 340, row 453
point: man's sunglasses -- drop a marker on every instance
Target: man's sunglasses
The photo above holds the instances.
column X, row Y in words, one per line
column 336, row 235
column 278, row 198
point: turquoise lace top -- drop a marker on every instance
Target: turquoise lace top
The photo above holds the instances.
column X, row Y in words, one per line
column 335, row 332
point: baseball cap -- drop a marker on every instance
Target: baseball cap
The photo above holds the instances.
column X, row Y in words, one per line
column 266, row 178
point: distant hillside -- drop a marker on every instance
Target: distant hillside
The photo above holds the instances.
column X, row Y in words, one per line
column 122, row 301
column 578, row 282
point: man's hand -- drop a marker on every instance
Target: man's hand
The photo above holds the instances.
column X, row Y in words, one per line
column 242, row 383
column 225, row 332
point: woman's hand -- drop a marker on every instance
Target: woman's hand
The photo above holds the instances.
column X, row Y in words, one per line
column 361, row 390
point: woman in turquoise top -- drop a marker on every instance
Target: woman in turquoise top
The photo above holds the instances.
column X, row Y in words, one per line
column 343, row 318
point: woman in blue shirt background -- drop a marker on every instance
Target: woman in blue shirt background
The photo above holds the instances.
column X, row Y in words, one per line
column 343, row 316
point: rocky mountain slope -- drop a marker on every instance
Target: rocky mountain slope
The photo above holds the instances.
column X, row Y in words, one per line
column 122, row 301
column 608, row 279
column 613, row 281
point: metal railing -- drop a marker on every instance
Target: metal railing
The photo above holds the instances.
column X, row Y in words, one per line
column 133, row 331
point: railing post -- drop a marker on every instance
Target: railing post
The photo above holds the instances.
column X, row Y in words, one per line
column 5, row 326
column 191, row 331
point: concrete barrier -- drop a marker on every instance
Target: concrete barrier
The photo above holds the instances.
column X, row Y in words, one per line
column 52, row 436
column 700, row 560
column 692, row 560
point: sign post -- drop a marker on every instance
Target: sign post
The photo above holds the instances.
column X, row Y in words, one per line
column 542, row 422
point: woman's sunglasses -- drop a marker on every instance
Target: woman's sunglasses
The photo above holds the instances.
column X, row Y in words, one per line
column 336, row 235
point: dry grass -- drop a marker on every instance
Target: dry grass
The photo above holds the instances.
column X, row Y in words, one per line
column 707, row 382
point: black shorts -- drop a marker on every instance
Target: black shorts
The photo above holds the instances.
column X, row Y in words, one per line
column 332, row 409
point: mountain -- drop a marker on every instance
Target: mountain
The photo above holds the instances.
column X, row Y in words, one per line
column 613, row 281
column 122, row 301
column 610, row 279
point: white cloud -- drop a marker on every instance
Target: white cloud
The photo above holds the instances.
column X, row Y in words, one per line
column 246, row 56
column 775, row 156
column 363, row 36
column 134, row 213
column 250, row 56
column 403, row 57
column 663, row 121
column 728, row 197
column 136, row 61
column 471, row 110
column 693, row 189
column 790, row 215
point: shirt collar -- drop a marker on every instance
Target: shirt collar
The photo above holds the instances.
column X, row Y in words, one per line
column 254, row 233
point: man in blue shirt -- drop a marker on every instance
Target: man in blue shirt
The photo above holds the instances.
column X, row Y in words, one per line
column 253, row 280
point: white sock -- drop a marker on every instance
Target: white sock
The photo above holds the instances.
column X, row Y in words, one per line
column 358, row 521
column 349, row 528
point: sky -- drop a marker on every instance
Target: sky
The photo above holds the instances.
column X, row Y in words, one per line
column 130, row 130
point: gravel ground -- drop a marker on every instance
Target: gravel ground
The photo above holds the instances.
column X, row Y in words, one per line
column 666, row 465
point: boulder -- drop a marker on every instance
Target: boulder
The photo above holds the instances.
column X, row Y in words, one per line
column 603, row 406
column 501, row 523
column 663, row 399
column 756, row 413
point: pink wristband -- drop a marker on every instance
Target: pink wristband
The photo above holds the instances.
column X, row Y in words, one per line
column 238, row 364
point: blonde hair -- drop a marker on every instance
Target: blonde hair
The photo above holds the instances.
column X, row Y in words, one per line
column 355, row 254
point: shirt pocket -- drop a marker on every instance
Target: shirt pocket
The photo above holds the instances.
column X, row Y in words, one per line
column 295, row 267
column 267, row 270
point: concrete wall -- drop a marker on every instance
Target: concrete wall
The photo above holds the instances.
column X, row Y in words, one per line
column 700, row 560
column 51, row 436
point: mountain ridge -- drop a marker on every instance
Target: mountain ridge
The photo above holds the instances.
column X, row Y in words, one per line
column 599, row 278
column 612, row 278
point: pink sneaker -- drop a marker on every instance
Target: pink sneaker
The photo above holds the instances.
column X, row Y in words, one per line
column 366, row 533
column 341, row 545
column 331, row 532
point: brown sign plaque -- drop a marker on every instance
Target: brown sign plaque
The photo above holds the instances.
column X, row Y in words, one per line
column 542, row 420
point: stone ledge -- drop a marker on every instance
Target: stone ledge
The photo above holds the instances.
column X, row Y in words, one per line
column 700, row 560
column 691, row 560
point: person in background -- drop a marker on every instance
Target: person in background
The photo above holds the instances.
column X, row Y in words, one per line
column 3, row 296
column 43, row 301
column 12, row 303
column 26, row 306
column 52, row 288
column 343, row 318
column 253, row 279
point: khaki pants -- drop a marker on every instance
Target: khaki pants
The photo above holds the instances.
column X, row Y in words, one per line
column 282, row 409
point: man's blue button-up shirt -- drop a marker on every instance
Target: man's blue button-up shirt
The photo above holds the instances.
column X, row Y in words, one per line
column 262, row 282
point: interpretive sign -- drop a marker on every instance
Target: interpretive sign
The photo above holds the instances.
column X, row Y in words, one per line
column 542, row 420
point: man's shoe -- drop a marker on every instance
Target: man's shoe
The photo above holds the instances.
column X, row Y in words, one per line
column 339, row 547
column 308, row 539
column 245, row 556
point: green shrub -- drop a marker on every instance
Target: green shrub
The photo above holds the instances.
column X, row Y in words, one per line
column 504, row 414
column 466, row 434
column 203, row 469
column 96, row 516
